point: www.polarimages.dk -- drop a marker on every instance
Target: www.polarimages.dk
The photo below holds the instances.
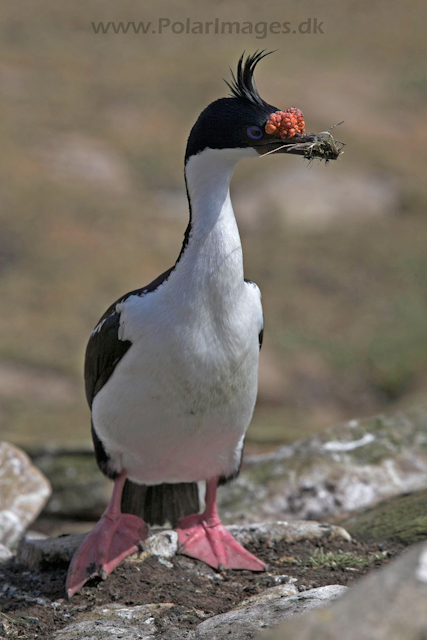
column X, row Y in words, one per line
column 163, row 26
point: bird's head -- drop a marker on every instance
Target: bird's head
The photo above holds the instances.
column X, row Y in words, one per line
column 247, row 124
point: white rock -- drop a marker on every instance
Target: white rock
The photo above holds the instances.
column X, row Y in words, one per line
column 114, row 621
column 343, row 469
column 274, row 593
column 163, row 544
column 35, row 535
column 5, row 553
column 246, row 622
column 349, row 446
column 23, row 493
column 421, row 571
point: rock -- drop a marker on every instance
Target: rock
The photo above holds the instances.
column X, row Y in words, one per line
column 287, row 531
column 163, row 544
column 343, row 469
column 5, row 553
column 246, row 622
column 274, row 593
column 402, row 519
column 141, row 622
column 387, row 605
column 23, row 493
column 79, row 489
column 114, row 621
column 34, row 553
column 35, row 535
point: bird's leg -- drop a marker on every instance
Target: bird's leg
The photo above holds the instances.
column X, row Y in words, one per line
column 204, row 537
column 112, row 539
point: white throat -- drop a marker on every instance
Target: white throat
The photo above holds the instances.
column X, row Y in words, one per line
column 214, row 249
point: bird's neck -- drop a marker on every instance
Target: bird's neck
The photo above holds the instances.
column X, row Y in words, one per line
column 212, row 251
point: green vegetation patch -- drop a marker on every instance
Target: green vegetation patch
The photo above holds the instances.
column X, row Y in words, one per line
column 402, row 519
column 320, row 558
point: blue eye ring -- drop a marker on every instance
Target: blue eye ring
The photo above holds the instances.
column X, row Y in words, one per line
column 254, row 132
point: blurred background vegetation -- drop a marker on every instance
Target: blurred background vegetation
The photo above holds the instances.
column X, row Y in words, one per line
column 92, row 136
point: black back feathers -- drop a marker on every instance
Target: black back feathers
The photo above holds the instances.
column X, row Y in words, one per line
column 243, row 84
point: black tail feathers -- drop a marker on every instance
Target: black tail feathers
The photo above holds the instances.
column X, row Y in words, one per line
column 161, row 503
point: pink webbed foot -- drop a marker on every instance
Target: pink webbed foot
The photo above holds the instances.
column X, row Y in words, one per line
column 205, row 538
column 104, row 548
column 213, row 544
column 114, row 537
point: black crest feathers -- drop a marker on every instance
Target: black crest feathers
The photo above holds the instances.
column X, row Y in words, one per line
column 243, row 84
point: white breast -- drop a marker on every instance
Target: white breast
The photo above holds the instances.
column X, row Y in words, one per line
column 179, row 402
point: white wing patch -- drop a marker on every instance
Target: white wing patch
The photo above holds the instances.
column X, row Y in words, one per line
column 98, row 327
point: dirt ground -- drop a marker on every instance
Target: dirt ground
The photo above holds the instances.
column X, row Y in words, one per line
column 32, row 604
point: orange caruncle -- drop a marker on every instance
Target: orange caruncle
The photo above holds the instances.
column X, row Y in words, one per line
column 286, row 124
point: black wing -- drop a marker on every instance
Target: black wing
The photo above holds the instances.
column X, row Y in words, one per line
column 159, row 504
column 104, row 350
